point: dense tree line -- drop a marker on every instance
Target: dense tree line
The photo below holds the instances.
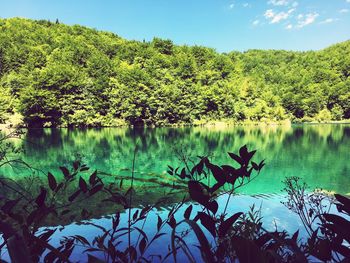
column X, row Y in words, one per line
column 54, row 74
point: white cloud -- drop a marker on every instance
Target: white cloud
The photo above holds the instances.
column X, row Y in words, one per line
column 327, row 21
column 348, row 1
column 256, row 22
column 279, row 2
column 304, row 20
column 343, row 11
column 269, row 13
column 245, row 5
column 277, row 17
column 231, row 6
column 290, row 26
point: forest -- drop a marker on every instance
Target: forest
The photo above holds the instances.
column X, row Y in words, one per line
column 53, row 74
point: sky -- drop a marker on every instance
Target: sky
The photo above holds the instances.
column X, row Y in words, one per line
column 225, row 25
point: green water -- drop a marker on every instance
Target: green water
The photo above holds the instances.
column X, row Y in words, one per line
column 317, row 153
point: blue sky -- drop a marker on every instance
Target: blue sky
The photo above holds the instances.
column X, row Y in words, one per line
column 225, row 25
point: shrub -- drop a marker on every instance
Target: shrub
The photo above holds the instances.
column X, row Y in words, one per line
column 324, row 115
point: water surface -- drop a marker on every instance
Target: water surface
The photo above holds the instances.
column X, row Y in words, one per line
column 319, row 154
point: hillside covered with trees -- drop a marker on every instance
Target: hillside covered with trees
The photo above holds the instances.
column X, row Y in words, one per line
column 58, row 75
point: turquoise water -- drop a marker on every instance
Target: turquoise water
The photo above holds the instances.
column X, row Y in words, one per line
column 317, row 153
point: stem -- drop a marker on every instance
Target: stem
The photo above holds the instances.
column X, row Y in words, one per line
column 130, row 199
column 228, row 199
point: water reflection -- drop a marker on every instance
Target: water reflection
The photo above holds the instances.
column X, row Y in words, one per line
column 317, row 153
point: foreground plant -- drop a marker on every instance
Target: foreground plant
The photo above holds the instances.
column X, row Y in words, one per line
column 328, row 234
column 206, row 181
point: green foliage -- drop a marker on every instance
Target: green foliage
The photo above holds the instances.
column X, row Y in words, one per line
column 55, row 74
column 324, row 115
column 5, row 105
column 337, row 112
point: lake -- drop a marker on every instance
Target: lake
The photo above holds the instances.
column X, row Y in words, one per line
column 319, row 154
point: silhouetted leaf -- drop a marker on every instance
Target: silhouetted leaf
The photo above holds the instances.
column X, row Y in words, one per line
column 225, row 226
column 212, row 206
column 245, row 154
column 96, row 189
column 50, row 257
column 205, row 248
column 295, row 236
column 345, row 203
column 217, row 172
column 92, row 178
column 135, row 215
column 188, row 211
column 82, row 169
column 261, row 164
column 82, row 240
column 142, row 245
column 65, row 172
column 47, row 234
column 93, row 259
column 198, row 192
column 337, row 220
column 59, row 186
column 159, row 223
column 145, row 210
column 208, row 222
column 52, row 181
column 82, row 185
column 76, row 165
column 74, row 195
column 40, row 199
column 172, row 222
column 343, row 250
column 236, row 158
column 132, row 252
column 183, row 174
column 255, row 166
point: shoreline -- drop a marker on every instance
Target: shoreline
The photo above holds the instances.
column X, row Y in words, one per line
column 204, row 124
